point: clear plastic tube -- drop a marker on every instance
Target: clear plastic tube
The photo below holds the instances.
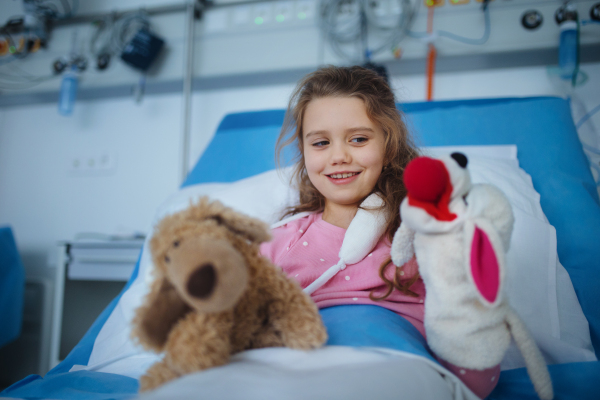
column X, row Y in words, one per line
column 68, row 93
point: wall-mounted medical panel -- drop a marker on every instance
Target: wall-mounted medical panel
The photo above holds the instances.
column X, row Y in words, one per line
column 236, row 42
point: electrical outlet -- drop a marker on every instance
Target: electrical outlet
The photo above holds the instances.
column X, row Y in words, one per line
column 103, row 163
column 106, row 161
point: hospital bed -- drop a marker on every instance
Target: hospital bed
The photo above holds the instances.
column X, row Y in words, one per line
column 550, row 160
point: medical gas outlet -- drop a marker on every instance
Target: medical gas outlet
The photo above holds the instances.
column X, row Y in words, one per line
column 568, row 57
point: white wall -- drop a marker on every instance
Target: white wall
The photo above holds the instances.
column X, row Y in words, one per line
column 44, row 201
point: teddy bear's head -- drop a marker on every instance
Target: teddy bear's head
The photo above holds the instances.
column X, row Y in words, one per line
column 201, row 252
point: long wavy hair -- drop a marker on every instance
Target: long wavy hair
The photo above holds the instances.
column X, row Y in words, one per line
column 380, row 106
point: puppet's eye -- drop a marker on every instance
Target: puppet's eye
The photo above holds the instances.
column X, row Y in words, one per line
column 460, row 159
column 465, row 199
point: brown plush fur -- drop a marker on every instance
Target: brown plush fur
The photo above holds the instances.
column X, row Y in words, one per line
column 214, row 295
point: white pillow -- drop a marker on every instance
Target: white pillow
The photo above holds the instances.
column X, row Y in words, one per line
column 532, row 276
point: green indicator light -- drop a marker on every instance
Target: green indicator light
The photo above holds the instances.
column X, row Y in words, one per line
column 279, row 18
column 12, row 49
column 258, row 20
column 302, row 15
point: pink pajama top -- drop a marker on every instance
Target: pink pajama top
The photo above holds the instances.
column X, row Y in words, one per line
column 308, row 246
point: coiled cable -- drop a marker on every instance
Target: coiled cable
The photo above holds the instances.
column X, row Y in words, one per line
column 347, row 25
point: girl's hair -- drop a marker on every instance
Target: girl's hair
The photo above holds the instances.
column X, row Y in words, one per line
column 380, row 107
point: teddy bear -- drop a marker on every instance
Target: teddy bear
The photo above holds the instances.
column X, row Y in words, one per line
column 213, row 295
column 459, row 234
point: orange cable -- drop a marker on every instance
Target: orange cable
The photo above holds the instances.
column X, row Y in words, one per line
column 430, row 19
column 431, row 55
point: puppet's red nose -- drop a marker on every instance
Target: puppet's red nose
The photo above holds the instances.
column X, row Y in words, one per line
column 425, row 179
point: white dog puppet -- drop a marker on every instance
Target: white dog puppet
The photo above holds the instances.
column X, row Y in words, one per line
column 459, row 234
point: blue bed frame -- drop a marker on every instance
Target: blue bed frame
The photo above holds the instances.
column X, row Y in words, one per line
column 548, row 149
column 12, row 286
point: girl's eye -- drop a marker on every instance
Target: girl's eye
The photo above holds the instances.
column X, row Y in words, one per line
column 321, row 143
column 359, row 140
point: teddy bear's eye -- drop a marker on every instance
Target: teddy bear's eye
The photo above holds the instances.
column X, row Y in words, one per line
column 217, row 218
column 176, row 243
column 167, row 259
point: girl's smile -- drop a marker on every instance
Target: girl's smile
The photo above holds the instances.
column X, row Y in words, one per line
column 343, row 150
column 342, row 178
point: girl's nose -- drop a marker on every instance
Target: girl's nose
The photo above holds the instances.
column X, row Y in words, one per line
column 339, row 154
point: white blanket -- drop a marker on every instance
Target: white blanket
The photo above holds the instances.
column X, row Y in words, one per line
column 333, row 372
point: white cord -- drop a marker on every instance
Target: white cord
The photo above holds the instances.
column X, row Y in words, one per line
column 325, row 277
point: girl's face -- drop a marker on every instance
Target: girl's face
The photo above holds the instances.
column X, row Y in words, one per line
column 343, row 149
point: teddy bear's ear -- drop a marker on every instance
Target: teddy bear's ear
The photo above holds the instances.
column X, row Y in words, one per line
column 252, row 229
column 155, row 318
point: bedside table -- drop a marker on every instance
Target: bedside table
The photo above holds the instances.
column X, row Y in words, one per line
column 89, row 275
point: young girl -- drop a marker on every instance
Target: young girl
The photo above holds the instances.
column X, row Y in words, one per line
column 351, row 142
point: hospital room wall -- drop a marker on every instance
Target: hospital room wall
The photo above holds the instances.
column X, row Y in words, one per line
column 209, row 107
column 46, row 201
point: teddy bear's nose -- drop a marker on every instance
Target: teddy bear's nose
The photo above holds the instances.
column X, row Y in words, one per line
column 202, row 281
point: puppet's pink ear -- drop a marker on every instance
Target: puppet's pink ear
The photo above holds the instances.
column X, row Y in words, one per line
column 485, row 266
